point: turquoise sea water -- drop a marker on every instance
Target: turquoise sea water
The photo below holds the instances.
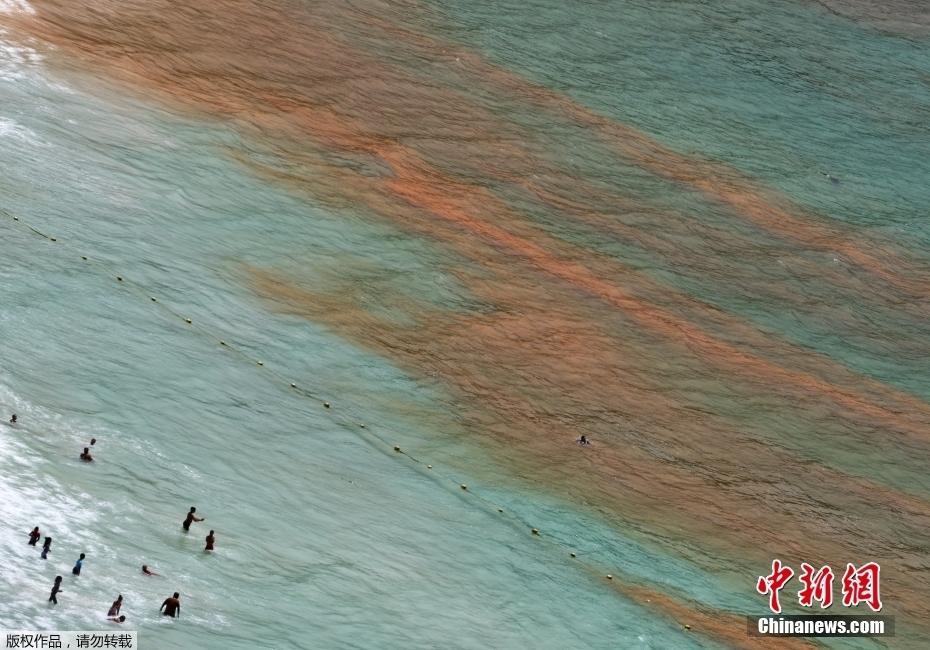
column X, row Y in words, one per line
column 788, row 93
column 323, row 540
column 325, row 536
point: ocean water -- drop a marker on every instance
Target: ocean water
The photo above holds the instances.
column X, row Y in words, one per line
column 426, row 245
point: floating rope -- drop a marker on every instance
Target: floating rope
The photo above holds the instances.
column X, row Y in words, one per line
column 353, row 425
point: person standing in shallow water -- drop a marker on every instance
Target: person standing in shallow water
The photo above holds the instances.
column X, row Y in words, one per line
column 13, row 419
column 78, row 565
column 172, row 606
column 34, row 536
column 46, row 547
column 85, row 455
column 210, row 540
column 116, row 606
column 191, row 518
column 53, row 598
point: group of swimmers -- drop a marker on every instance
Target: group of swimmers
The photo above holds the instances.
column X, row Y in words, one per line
column 170, row 607
column 34, row 536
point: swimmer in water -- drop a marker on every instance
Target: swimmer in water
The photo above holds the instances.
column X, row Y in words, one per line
column 56, row 588
column 34, row 536
column 210, row 540
column 118, row 619
column 583, row 441
column 46, row 547
column 115, row 607
column 78, row 565
column 85, row 456
column 147, row 571
column 191, row 518
column 13, row 419
column 172, row 606
column 93, row 441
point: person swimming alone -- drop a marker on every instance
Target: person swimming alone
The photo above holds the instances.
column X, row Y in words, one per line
column 191, row 518
column 56, row 589
column 147, row 571
column 172, row 606
column 13, row 419
column 210, row 540
column 78, row 565
column 583, row 441
column 85, row 455
column 34, row 536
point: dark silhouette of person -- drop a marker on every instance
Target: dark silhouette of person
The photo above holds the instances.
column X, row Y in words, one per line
column 34, row 536
column 210, row 540
column 147, row 571
column 120, row 619
column 85, row 455
column 56, row 588
column 172, row 606
column 13, row 419
column 46, row 547
column 191, row 518
column 116, row 606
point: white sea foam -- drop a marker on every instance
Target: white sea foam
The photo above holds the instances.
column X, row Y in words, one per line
column 12, row 129
column 15, row 59
column 16, row 7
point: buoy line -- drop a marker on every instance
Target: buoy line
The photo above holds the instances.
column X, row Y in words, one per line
column 360, row 429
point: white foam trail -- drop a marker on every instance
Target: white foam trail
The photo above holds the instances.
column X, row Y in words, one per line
column 16, row 7
column 12, row 129
column 15, row 60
